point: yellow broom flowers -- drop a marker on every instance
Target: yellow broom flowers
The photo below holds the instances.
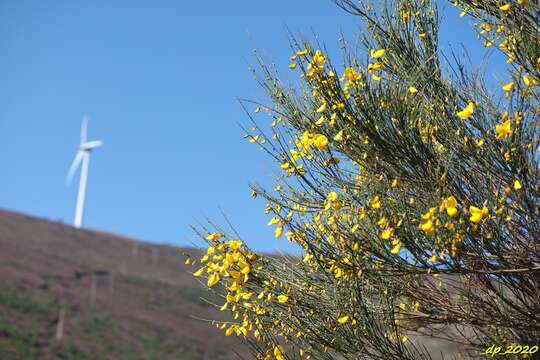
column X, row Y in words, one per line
column 467, row 112
column 478, row 215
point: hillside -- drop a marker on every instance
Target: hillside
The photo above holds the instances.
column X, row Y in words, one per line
column 121, row 299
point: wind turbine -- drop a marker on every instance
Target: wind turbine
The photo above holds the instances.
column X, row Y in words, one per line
column 82, row 159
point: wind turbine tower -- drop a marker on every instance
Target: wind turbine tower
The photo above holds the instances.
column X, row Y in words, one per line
column 82, row 159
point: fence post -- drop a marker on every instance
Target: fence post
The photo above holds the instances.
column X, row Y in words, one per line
column 60, row 325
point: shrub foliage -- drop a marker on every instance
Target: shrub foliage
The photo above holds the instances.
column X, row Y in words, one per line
column 412, row 188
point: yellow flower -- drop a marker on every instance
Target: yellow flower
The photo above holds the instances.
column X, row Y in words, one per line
column 339, row 136
column 428, row 227
column 282, row 299
column 376, row 54
column 375, row 77
column 322, row 108
column 321, row 121
column 467, row 112
column 509, row 87
column 478, row 215
column 321, row 142
column 230, row 331
column 375, row 67
column 376, row 202
column 404, row 338
column 212, row 280
column 214, row 237
column 387, row 234
column 293, row 66
column 246, row 269
column 397, row 247
column 278, row 353
column 504, row 130
column 517, row 185
column 451, row 206
column 279, row 231
column 430, row 214
column 235, row 244
column 528, row 81
column 198, row 272
column 413, row 90
column 257, row 109
column 242, row 330
column 394, row 183
column 343, row 320
column 333, row 196
column 319, row 58
column 505, row 7
column 273, row 221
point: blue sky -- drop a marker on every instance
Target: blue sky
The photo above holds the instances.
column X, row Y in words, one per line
column 159, row 81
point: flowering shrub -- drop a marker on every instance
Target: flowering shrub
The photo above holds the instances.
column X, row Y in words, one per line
column 413, row 191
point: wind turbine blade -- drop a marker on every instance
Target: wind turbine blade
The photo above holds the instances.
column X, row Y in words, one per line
column 74, row 166
column 84, row 129
column 91, row 145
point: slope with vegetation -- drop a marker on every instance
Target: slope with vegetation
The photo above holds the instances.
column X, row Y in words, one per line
column 141, row 308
